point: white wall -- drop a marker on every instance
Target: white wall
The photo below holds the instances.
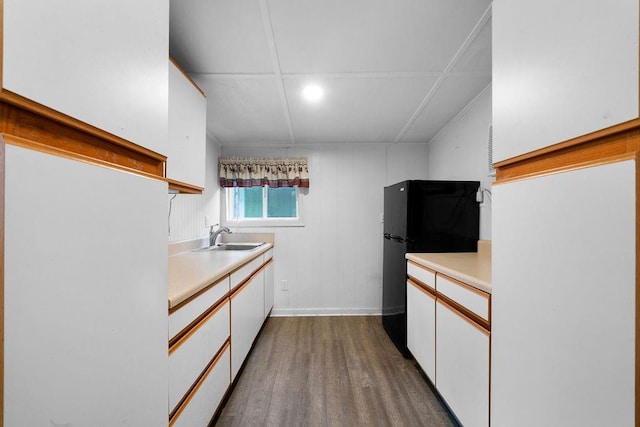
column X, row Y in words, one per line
column 333, row 265
column 460, row 152
column 187, row 219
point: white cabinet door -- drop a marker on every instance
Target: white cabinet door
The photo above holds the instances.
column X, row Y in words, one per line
column 561, row 70
column 564, row 299
column 192, row 354
column 268, row 289
column 104, row 63
column 247, row 315
column 187, row 130
column 85, row 294
column 421, row 328
column 207, row 396
column 462, row 355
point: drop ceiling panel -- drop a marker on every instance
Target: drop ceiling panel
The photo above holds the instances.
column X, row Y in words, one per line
column 368, row 109
column 219, row 36
column 476, row 58
column 453, row 95
column 394, row 70
column 371, row 35
column 243, row 110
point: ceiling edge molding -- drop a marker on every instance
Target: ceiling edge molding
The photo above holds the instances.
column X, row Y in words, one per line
column 484, row 19
column 461, row 113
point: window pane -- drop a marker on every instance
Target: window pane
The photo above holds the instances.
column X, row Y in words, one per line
column 249, row 202
column 281, row 202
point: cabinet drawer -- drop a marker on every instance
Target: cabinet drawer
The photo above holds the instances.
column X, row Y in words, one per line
column 467, row 296
column 184, row 315
column 202, row 402
column 191, row 354
column 243, row 273
column 421, row 274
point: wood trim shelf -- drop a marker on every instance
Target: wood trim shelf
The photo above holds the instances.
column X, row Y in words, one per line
column 614, row 144
column 183, row 187
column 44, row 129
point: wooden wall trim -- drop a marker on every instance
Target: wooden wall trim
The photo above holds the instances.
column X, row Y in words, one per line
column 614, row 144
column 187, row 76
column 183, row 187
column 2, row 203
column 637, row 358
column 42, row 126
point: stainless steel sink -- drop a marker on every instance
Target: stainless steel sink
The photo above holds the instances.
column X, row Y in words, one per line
column 235, row 246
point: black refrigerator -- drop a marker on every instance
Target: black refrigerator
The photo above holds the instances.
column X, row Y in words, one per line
column 422, row 216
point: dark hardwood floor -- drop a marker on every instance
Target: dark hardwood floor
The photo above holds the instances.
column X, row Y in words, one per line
column 330, row 371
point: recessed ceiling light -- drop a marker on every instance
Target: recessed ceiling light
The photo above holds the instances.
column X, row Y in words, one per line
column 313, row 93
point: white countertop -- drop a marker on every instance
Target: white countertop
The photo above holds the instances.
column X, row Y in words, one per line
column 472, row 268
column 190, row 272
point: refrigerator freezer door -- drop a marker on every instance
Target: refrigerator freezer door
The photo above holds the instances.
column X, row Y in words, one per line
column 395, row 209
column 443, row 216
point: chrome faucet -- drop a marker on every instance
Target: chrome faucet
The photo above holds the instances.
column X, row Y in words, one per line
column 213, row 235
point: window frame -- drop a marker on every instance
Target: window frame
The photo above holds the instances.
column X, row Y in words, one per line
column 259, row 222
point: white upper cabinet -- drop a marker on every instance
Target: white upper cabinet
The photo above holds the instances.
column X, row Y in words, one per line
column 187, row 129
column 104, row 63
column 85, row 295
column 564, row 299
column 561, row 70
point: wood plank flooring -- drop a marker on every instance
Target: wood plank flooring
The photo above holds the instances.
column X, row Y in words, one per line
column 330, row 371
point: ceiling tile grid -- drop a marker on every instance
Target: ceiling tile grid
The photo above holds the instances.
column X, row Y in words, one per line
column 392, row 71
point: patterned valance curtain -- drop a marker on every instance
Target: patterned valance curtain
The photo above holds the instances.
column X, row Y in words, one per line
column 261, row 171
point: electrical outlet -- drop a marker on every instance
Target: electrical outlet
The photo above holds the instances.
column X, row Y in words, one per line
column 283, row 285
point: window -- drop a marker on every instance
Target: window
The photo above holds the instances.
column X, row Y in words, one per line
column 263, row 205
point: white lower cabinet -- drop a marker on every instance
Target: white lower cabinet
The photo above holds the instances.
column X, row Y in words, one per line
column 462, row 354
column 448, row 334
column 268, row 288
column 207, row 394
column 210, row 337
column 247, row 316
column 421, row 328
column 190, row 356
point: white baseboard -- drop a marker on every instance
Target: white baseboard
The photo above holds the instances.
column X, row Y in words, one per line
column 293, row 312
